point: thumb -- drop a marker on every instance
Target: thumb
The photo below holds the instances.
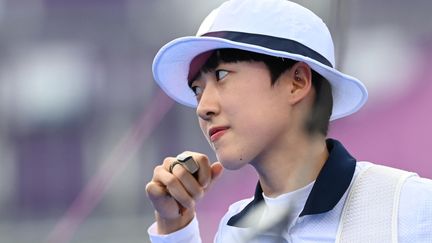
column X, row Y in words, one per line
column 216, row 170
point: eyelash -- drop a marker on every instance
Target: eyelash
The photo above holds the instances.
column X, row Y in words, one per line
column 218, row 72
column 217, row 75
column 194, row 90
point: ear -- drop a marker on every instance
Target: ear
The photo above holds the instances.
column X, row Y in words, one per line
column 300, row 75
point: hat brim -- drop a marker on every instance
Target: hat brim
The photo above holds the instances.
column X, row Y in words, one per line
column 171, row 69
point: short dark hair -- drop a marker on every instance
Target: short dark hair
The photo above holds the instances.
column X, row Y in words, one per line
column 319, row 117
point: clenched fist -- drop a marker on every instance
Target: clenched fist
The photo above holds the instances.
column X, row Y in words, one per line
column 175, row 194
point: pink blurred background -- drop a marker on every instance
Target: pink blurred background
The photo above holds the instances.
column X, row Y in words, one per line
column 82, row 124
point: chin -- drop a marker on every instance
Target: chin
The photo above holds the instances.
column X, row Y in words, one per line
column 232, row 164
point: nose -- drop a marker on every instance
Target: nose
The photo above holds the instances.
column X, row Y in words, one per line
column 208, row 104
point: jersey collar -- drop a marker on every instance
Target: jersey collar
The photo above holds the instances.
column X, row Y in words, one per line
column 329, row 187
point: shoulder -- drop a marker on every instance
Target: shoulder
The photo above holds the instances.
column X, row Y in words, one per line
column 416, row 196
column 416, row 184
column 414, row 191
column 414, row 204
column 415, row 210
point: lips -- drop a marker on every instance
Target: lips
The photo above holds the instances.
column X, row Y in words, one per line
column 216, row 132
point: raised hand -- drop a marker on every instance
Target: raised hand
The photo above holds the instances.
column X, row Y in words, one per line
column 174, row 195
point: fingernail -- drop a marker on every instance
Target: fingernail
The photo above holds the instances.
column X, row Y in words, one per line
column 206, row 185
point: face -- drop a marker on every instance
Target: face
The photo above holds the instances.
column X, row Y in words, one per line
column 240, row 113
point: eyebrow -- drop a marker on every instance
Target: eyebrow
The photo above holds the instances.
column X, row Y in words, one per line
column 208, row 67
column 204, row 69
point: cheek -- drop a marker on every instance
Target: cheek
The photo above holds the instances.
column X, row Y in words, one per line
column 201, row 124
column 203, row 128
column 252, row 134
column 260, row 128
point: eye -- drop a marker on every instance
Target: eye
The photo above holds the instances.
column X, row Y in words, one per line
column 197, row 90
column 220, row 74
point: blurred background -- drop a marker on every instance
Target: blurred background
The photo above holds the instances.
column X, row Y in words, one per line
column 82, row 124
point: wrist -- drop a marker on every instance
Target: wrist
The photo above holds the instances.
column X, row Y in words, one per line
column 167, row 226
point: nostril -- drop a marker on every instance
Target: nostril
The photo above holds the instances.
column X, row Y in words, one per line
column 207, row 115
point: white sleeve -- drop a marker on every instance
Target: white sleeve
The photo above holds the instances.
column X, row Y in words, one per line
column 189, row 234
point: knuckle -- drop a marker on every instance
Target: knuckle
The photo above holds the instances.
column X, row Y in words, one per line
column 152, row 190
column 180, row 172
column 202, row 157
column 148, row 185
column 187, row 202
column 167, row 160
column 171, row 181
column 191, row 203
column 148, row 188
column 157, row 170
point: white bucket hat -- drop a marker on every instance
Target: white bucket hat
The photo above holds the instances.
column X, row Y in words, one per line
column 272, row 27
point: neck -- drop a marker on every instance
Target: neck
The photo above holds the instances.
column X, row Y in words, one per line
column 291, row 166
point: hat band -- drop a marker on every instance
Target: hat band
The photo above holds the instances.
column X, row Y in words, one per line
column 271, row 42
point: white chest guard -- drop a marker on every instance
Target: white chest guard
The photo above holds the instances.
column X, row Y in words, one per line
column 370, row 213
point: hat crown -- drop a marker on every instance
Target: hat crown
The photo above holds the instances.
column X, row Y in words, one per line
column 271, row 27
column 277, row 18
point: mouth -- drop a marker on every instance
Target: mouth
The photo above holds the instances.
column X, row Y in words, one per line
column 216, row 132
